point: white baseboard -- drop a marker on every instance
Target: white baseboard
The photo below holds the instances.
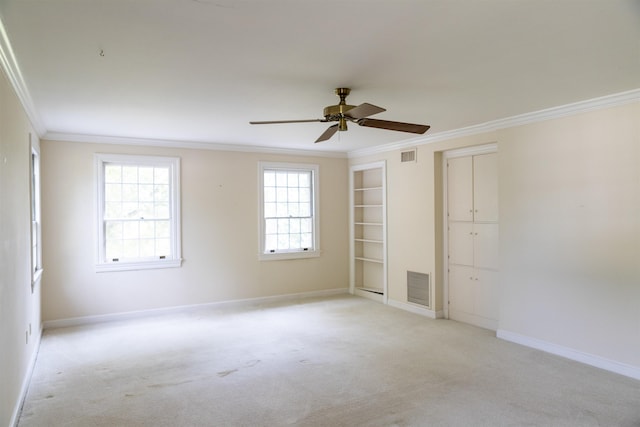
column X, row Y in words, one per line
column 416, row 309
column 570, row 353
column 26, row 380
column 88, row 320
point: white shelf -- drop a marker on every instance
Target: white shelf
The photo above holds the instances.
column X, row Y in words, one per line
column 368, row 240
column 367, row 189
column 377, row 261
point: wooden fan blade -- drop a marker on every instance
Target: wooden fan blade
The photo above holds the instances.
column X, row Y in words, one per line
column 273, row 122
column 327, row 133
column 399, row 126
column 364, row 110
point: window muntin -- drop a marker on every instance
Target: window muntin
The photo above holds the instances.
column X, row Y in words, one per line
column 138, row 212
column 289, row 226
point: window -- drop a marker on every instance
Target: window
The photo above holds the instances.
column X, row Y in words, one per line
column 288, row 211
column 36, row 229
column 138, row 212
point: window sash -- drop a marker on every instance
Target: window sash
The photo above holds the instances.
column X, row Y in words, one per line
column 289, row 225
column 138, row 229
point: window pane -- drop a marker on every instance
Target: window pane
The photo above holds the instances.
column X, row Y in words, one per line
column 304, row 179
column 292, row 179
column 271, row 226
column 281, row 194
column 130, row 193
column 294, row 241
column 161, row 193
column 113, row 210
column 283, row 241
column 130, row 174
column 269, row 194
column 131, row 248
column 112, row 192
column 145, row 175
column 283, row 226
column 161, row 175
column 145, row 193
column 147, row 247
column 269, row 210
column 270, row 242
column 269, row 179
column 113, row 249
column 163, row 247
column 281, row 179
column 130, row 230
column 163, row 229
column 113, row 173
column 294, row 225
column 306, row 240
column 294, row 209
column 305, row 195
column 114, row 230
column 305, row 225
column 146, row 210
column 305, row 209
column 130, row 210
column 147, row 229
column 292, row 195
column 162, row 210
column 282, row 210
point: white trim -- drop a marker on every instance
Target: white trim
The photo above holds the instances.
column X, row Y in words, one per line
column 446, row 155
column 148, row 142
column 382, row 164
column 132, row 315
column 176, row 242
column 607, row 101
column 315, row 182
column 24, row 388
column 572, row 354
column 9, row 64
column 416, row 309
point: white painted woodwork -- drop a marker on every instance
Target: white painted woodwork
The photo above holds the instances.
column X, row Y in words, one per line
column 472, row 239
column 485, row 187
column 368, row 231
column 460, row 189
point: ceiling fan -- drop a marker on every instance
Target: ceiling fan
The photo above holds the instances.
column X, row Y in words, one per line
column 343, row 113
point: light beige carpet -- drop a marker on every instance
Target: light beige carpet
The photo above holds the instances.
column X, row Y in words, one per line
column 341, row 361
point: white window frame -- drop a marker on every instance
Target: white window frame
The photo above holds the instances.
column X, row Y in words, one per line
column 36, row 217
column 314, row 251
column 175, row 259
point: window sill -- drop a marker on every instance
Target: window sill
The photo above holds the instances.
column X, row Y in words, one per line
column 278, row 256
column 145, row 265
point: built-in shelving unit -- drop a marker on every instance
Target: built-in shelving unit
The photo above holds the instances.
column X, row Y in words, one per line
column 368, row 248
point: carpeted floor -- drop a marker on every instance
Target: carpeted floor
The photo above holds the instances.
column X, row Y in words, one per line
column 340, row 361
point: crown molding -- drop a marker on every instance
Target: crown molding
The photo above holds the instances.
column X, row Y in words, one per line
column 607, row 101
column 115, row 140
column 9, row 65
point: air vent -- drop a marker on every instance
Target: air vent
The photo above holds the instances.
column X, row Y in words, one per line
column 408, row 156
column 418, row 288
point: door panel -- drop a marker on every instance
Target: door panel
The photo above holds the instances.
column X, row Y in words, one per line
column 485, row 187
column 461, row 243
column 461, row 288
column 485, row 246
column 487, row 294
column 460, row 189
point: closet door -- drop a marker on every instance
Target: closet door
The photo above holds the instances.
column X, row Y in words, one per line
column 460, row 189
column 485, row 188
column 472, row 239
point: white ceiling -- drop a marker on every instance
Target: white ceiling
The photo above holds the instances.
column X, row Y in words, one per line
column 200, row 70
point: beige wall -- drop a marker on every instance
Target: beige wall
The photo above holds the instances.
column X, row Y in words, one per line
column 219, row 196
column 19, row 306
column 569, row 228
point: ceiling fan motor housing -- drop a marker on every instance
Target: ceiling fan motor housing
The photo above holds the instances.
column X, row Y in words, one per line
column 337, row 112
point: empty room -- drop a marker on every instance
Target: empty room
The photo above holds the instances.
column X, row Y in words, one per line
column 319, row 213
